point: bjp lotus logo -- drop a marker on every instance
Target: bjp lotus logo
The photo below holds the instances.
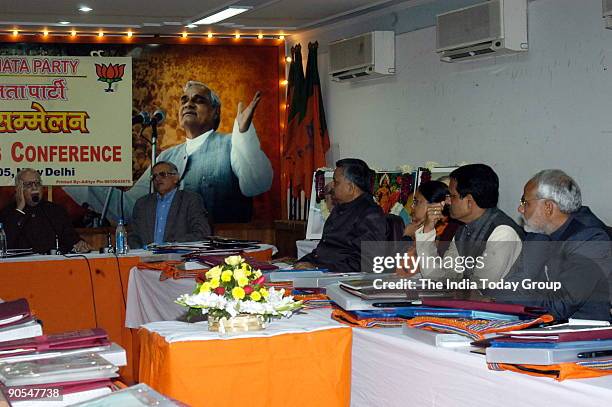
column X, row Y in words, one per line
column 110, row 74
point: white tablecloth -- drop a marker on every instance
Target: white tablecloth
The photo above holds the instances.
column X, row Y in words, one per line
column 390, row 370
column 305, row 246
column 309, row 321
column 150, row 300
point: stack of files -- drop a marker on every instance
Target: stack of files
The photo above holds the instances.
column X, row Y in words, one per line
column 86, row 340
column 437, row 339
column 523, row 311
column 368, row 289
column 351, row 302
column 17, row 322
column 80, row 363
column 139, row 395
column 551, row 345
column 423, row 311
column 316, row 278
column 214, row 260
column 381, row 318
column 72, row 368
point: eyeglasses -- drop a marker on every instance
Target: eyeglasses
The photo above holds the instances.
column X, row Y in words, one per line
column 32, row 184
column 162, row 174
column 524, row 201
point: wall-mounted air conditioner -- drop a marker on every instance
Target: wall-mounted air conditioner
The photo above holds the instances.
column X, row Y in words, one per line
column 493, row 28
column 365, row 56
column 607, row 13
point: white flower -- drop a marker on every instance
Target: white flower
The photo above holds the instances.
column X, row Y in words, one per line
column 406, row 169
column 233, row 260
column 253, row 307
column 431, row 164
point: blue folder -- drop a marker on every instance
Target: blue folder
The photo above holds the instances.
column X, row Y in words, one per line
column 411, row 312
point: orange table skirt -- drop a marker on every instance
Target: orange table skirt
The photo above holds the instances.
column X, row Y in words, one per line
column 306, row 369
column 70, row 294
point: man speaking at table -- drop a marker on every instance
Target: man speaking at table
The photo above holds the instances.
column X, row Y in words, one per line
column 32, row 222
column 167, row 215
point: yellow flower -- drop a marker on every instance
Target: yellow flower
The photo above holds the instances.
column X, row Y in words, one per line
column 247, row 268
column 255, row 296
column 214, row 272
column 233, row 260
column 214, row 283
column 238, row 293
column 205, row 287
column 257, row 274
column 239, row 274
column 226, row 276
column 264, row 292
column 242, row 281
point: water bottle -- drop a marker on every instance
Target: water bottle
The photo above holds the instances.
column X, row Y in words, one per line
column 121, row 246
column 2, row 241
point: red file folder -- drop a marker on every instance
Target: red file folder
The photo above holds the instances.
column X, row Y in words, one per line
column 14, row 312
column 513, row 309
column 86, row 338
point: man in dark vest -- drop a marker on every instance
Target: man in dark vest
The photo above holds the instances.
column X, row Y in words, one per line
column 488, row 243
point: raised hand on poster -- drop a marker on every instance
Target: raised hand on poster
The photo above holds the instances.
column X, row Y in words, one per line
column 245, row 117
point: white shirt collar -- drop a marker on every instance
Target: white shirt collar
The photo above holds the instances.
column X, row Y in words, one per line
column 192, row 144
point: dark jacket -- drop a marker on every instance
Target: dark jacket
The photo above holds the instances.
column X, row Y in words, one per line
column 186, row 221
column 38, row 228
column 348, row 225
column 577, row 256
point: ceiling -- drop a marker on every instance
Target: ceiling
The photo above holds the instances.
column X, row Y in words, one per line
column 163, row 17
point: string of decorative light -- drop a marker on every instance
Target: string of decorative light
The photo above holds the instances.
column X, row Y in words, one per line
column 16, row 32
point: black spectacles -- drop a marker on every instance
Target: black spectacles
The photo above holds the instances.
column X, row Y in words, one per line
column 526, row 201
column 32, row 184
column 162, row 174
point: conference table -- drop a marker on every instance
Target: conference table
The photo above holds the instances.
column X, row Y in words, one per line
column 387, row 367
column 304, row 360
column 75, row 292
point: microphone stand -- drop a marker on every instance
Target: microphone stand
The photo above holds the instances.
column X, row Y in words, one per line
column 153, row 149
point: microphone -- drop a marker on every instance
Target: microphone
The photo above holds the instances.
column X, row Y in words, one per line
column 158, row 117
column 35, row 198
column 141, row 118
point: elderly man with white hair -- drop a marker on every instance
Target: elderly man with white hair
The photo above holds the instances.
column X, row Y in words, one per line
column 227, row 170
column 565, row 243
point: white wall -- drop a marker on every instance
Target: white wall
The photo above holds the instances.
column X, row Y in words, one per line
column 548, row 108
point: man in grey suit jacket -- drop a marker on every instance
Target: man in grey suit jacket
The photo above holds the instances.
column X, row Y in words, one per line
column 168, row 214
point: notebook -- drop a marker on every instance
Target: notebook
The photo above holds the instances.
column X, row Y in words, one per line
column 56, row 370
column 85, row 338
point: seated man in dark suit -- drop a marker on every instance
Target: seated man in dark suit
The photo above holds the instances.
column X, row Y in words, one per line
column 168, row 214
column 31, row 222
column 561, row 246
column 355, row 218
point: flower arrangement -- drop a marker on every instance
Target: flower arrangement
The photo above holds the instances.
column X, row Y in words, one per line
column 235, row 288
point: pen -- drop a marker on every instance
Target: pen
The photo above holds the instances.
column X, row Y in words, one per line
column 594, row 354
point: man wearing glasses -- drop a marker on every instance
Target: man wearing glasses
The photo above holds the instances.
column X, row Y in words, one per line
column 226, row 170
column 33, row 222
column 488, row 235
column 168, row 214
column 565, row 243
